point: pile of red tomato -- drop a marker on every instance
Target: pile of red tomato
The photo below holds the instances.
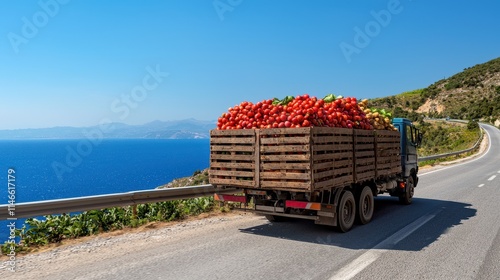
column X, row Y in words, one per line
column 302, row 111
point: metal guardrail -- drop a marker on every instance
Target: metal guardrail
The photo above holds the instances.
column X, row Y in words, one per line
column 433, row 157
column 67, row 205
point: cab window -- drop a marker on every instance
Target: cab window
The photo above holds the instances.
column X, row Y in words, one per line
column 409, row 135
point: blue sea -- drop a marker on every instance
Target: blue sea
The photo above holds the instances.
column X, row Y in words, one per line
column 52, row 169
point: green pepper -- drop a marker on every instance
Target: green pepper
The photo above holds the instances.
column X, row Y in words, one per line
column 329, row 98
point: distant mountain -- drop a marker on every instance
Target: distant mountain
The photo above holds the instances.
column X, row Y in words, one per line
column 182, row 129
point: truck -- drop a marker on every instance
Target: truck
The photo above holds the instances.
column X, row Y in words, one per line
column 326, row 174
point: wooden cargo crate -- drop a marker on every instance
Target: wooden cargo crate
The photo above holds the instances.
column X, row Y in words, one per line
column 232, row 157
column 387, row 146
column 364, row 155
column 305, row 158
column 300, row 159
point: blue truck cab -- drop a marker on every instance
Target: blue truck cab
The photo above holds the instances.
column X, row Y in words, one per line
column 411, row 138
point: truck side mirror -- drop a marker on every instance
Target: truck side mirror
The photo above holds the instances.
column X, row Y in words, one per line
column 419, row 138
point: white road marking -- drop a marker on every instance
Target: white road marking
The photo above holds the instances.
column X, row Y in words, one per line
column 480, row 186
column 367, row 258
column 499, row 171
column 492, row 178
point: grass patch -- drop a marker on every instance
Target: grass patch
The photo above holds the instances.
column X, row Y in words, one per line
column 440, row 137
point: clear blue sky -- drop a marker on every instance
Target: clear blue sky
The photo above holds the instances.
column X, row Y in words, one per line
column 70, row 62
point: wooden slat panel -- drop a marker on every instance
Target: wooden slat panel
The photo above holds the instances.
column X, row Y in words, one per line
column 363, row 154
column 343, row 180
column 332, row 139
column 323, row 174
column 231, row 182
column 342, row 147
column 387, row 144
column 382, row 166
column 383, row 172
column 284, row 140
column 232, row 173
column 364, row 168
column 247, row 165
column 239, row 148
column 285, row 157
column 388, row 159
column 285, row 165
column 323, row 148
column 323, row 157
column 365, row 159
column 227, row 140
column 342, row 163
column 340, row 155
column 343, row 170
column 286, row 185
column 284, row 148
column 285, row 175
column 364, row 172
column 286, row 131
column 231, row 157
column 391, row 145
column 324, row 184
column 359, row 147
column 322, row 165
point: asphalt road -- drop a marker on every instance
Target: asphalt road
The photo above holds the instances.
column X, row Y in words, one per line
column 451, row 231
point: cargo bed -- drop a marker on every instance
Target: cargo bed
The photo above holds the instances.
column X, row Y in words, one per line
column 301, row 159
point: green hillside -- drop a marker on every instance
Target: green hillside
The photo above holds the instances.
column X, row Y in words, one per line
column 471, row 94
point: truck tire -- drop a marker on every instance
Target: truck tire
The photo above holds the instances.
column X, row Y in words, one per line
column 365, row 206
column 407, row 197
column 346, row 211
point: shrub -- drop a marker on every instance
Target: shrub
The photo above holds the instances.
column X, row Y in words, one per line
column 55, row 228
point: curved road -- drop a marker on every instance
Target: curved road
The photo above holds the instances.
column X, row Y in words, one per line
column 451, row 231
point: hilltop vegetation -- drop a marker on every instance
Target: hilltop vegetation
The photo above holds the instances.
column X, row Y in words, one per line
column 471, row 94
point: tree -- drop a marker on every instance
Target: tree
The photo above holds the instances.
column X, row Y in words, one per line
column 472, row 125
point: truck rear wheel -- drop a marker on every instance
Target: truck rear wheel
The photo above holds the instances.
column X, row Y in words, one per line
column 407, row 197
column 365, row 205
column 346, row 211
